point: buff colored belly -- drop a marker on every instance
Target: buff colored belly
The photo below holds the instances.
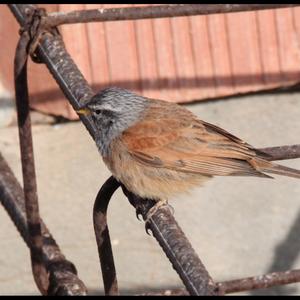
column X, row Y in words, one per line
column 149, row 182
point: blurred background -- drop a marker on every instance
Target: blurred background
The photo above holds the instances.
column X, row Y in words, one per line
column 240, row 71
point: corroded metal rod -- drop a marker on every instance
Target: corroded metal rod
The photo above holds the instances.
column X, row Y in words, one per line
column 29, row 179
column 157, row 11
column 259, row 282
column 282, row 152
column 102, row 236
column 176, row 246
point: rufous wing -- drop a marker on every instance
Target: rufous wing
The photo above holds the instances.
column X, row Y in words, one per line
column 169, row 136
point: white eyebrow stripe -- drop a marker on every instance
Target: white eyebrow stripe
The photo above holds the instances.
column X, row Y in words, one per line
column 106, row 106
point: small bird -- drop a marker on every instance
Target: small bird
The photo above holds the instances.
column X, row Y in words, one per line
column 158, row 149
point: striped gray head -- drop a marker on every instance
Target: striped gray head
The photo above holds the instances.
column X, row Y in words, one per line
column 113, row 110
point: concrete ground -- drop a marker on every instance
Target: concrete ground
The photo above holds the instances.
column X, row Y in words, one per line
column 239, row 226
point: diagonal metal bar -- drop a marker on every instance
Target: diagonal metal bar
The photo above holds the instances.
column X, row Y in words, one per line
column 63, row 275
column 29, row 179
column 176, row 246
column 158, row 11
column 102, row 236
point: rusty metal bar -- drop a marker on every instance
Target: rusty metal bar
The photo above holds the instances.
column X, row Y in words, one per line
column 259, row 282
column 63, row 275
column 12, row 198
column 282, row 152
column 176, row 246
column 29, row 179
column 158, row 11
column 102, row 236
column 173, row 241
column 61, row 272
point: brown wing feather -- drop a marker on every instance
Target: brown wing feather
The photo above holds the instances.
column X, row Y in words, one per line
column 174, row 138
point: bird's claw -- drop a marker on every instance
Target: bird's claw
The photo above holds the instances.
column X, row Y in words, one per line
column 148, row 227
column 138, row 214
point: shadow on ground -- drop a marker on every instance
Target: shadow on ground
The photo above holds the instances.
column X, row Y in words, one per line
column 285, row 257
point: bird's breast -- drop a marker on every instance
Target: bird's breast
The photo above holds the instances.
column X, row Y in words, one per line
column 148, row 181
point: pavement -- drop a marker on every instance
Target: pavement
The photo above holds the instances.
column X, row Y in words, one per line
column 239, row 226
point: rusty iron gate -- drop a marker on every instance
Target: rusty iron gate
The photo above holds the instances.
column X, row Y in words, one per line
column 52, row 272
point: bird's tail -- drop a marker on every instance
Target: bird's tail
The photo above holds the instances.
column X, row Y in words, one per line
column 269, row 167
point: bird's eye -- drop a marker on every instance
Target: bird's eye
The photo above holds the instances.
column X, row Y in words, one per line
column 97, row 111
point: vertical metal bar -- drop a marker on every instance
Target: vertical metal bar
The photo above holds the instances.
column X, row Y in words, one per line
column 102, row 236
column 28, row 170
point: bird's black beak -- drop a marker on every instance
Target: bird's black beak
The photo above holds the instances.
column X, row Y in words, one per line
column 84, row 111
